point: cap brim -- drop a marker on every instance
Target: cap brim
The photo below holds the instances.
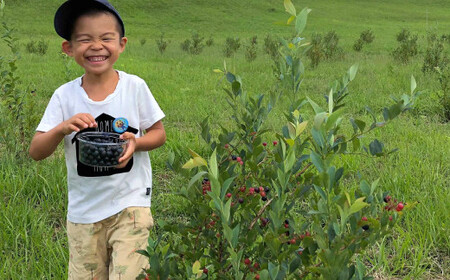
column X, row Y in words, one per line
column 69, row 10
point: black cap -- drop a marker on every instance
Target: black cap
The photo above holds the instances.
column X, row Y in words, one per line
column 70, row 10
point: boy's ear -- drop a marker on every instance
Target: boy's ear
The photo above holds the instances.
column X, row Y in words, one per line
column 123, row 42
column 67, row 48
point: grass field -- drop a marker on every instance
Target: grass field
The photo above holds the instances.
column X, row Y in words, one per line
column 33, row 195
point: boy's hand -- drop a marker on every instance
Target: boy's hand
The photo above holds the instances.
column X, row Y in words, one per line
column 78, row 122
column 129, row 150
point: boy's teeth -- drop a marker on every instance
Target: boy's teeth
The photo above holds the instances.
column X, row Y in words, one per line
column 97, row 58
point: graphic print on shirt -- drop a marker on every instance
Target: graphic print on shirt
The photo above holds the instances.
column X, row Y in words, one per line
column 105, row 123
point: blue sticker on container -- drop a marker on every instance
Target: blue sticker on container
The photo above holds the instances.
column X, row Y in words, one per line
column 120, row 125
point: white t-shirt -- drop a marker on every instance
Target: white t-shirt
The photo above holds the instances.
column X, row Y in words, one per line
column 98, row 193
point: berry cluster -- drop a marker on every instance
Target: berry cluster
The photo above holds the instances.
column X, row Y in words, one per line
column 206, row 186
column 238, row 159
column 262, row 192
column 104, row 152
column 392, row 204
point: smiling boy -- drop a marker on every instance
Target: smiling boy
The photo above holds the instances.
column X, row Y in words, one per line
column 109, row 214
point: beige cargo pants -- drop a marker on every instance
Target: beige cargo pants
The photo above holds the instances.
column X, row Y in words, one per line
column 107, row 249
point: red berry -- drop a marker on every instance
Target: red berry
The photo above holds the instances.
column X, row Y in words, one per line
column 307, row 233
column 229, row 195
column 390, row 218
column 399, row 207
column 256, row 265
column 218, row 235
column 261, row 189
column 251, row 191
column 238, row 159
column 247, row 261
column 205, row 270
column 263, row 193
column 242, row 189
column 227, row 146
column 387, row 198
column 302, row 236
column 257, row 277
column 292, row 241
column 364, row 219
column 275, row 143
column 147, row 277
column 286, row 225
column 264, row 144
column 241, row 162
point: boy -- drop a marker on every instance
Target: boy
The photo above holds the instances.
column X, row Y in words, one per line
column 109, row 214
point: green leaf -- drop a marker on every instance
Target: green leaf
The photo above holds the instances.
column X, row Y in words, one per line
column 295, row 264
column 225, row 186
column 357, row 205
column 330, row 101
column 197, row 177
column 413, row 84
column 213, row 165
column 321, row 192
column 196, row 267
column 333, row 119
column 290, row 8
column 300, row 128
column 376, row 148
column 352, row 71
column 273, row 270
column 226, row 211
column 290, row 161
column 319, row 119
column 317, row 161
column 315, row 107
column 235, row 236
column 300, row 22
column 365, row 188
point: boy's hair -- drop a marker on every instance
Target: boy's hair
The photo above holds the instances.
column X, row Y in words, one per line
column 68, row 13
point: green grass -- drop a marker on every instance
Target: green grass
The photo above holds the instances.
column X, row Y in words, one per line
column 33, row 195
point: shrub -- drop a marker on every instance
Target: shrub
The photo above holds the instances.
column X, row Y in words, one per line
column 143, row 41
column 358, row 45
column 276, row 206
column 330, row 45
column 366, row 37
column 16, row 104
column 444, row 96
column 39, row 47
column 210, row 42
column 251, row 50
column 408, row 46
column 435, row 55
column 194, row 45
column 161, row 43
column 185, row 45
column 271, row 47
column 315, row 52
column 232, row 45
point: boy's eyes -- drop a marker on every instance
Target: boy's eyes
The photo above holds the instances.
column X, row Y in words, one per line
column 86, row 40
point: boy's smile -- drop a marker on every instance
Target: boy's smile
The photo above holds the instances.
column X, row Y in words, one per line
column 96, row 43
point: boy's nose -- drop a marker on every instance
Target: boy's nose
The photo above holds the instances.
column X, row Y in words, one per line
column 97, row 44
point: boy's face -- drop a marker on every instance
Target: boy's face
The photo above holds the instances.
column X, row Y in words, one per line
column 95, row 43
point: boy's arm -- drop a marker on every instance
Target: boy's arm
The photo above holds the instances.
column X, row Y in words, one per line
column 154, row 137
column 44, row 144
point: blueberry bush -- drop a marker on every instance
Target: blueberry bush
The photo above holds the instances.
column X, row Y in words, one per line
column 276, row 203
